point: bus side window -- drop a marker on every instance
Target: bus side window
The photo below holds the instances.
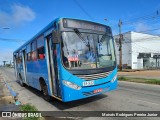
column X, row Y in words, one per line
column 29, row 52
column 33, row 56
column 28, row 56
column 16, row 57
column 33, row 49
column 19, row 57
column 40, row 47
column 41, row 54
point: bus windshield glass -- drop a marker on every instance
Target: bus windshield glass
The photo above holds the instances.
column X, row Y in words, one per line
column 87, row 50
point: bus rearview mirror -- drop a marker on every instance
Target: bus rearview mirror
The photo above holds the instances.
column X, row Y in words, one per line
column 55, row 36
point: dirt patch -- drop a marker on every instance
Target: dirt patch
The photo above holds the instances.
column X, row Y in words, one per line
column 6, row 100
column 3, row 89
column 1, row 85
column 144, row 74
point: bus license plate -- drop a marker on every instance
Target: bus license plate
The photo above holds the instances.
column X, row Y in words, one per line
column 98, row 90
column 88, row 83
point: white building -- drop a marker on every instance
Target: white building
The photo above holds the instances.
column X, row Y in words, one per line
column 139, row 50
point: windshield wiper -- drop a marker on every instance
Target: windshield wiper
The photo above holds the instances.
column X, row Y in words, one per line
column 102, row 39
column 80, row 36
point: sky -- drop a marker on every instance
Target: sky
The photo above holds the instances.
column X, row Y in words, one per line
column 20, row 20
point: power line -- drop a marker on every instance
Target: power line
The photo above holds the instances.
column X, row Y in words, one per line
column 140, row 46
column 79, row 5
column 12, row 40
column 146, row 38
column 135, row 45
column 143, row 22
column 153, row 15
column 149, row 30
column 147, row 34
column 132, row 22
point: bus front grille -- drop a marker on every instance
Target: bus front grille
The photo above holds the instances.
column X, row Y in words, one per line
column 94, row 76
column 88, row 93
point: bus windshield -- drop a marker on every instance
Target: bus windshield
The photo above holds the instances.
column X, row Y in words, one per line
column 87, row 50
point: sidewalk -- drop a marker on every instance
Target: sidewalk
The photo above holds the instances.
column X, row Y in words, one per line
column 6, row 100
column 149, row 74
column 136, row 70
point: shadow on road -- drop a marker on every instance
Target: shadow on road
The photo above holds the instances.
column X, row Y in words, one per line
column 66, row 105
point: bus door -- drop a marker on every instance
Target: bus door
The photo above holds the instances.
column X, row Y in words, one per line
column 15, row 64
column 53, row 67
column 23, row 71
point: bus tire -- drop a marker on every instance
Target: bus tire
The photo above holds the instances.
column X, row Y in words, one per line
column 21, row 81
column 44, row 88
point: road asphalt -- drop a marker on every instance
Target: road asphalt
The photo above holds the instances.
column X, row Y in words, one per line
column 128, row 97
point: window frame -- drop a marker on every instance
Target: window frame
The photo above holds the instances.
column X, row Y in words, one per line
column 34, row 50
column 43, row 53
column 41, row 45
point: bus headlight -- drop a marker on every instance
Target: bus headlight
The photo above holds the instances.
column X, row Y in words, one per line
column 71, row 85
column 115, row 77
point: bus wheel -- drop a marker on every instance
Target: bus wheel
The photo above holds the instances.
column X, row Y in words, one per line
column 45, row 92
column 20, row 81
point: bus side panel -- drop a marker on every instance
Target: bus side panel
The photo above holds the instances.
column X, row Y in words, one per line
column 30, row 69
column 42, row 72
column 35, row 71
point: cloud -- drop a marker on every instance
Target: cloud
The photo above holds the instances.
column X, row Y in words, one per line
column 141, row 27
column 148, row 28
column 22, row 13
column 17, row 15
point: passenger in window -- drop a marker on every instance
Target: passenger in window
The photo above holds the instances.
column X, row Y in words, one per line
column 41, row 56
column 65, row 60
column 90, row 55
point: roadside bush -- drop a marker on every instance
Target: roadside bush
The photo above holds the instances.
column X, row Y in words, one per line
column 29, row 108
column 122, row 78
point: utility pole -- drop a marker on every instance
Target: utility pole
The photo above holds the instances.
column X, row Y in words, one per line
column 120, row 44
column 10, row 63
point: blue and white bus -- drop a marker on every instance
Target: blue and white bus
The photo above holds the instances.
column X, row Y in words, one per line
column 69, row 59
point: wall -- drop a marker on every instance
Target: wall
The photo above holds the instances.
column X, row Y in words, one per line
column 143, row 43
column 135, row 43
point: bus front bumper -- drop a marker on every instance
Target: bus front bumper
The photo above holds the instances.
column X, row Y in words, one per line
column 71, row 94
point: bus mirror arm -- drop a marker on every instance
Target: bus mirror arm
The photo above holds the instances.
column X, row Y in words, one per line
column 55, row 36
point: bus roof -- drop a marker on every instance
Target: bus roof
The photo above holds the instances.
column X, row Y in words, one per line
column 50, row 25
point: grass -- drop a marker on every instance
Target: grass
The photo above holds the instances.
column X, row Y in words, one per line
column 30, row 108
column 140, row 80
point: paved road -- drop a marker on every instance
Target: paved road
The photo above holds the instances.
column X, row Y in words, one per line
column 128, row 97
